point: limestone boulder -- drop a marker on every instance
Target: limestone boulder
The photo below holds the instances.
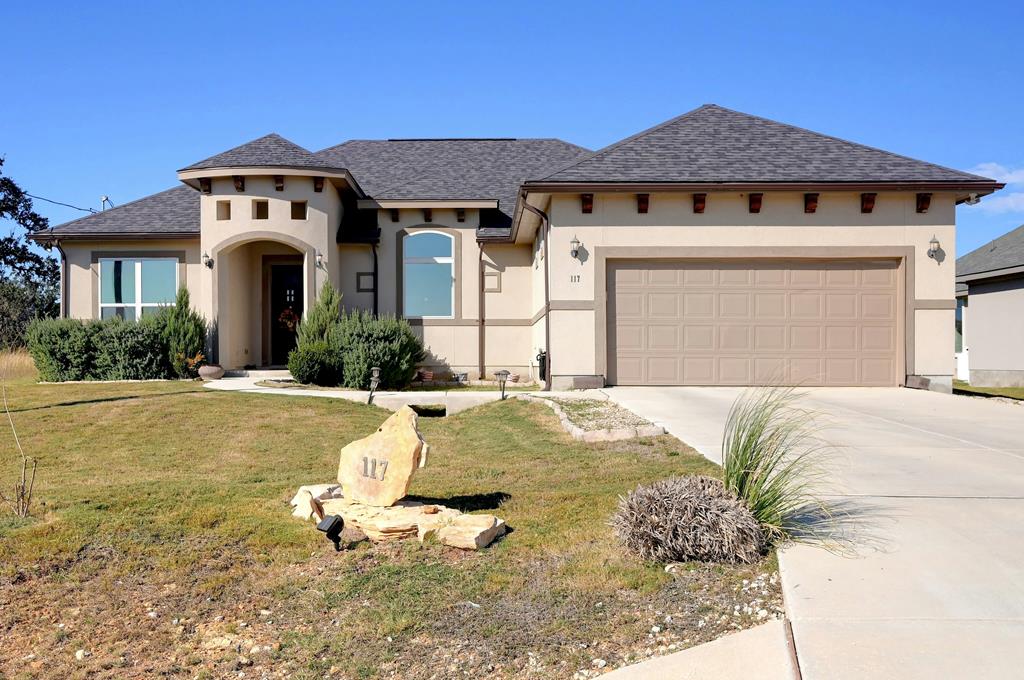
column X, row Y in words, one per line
column 471, row 532
column 378, row 469
column 401, row 520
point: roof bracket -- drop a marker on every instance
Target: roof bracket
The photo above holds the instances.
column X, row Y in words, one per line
column 278, row 182
column 460, row 214
column 867, row 202
column 206, row 185
column 699, row 201
column 318, row 184
column 643, row 202
column 924, row 201
column 587, row 203
column 428, row 215
column 394, row 214
column 239, row 181
column 754, row 202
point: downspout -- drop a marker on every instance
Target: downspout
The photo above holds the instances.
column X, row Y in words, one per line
column 63, row 280
column 373, row 248
column 482, row 320
column 545, row 224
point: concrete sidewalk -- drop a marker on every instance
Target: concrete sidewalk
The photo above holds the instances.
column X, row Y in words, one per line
column 926, row 579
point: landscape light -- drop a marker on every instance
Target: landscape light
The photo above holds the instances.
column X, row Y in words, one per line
column 374, row 382
column 502, row 377
column 332, row 527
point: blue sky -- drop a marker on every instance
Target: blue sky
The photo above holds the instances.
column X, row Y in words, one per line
column 112, row 98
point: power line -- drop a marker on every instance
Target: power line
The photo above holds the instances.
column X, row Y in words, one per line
column 66, row 205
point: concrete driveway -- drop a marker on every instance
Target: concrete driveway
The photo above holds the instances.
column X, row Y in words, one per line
column 929, row 579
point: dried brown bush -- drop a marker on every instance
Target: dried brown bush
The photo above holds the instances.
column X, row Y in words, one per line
column 688, row 518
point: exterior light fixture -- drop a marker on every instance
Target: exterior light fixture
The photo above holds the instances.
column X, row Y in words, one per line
column 574, row 247
column 933, row 247
column 319, row 260
column 207, row 261
column 332, row 527
column 502, row 377
column 374, row 382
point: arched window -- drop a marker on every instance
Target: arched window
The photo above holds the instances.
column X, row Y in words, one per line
column 428, row 275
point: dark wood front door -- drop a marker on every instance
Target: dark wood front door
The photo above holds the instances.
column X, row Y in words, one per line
column 285, row 310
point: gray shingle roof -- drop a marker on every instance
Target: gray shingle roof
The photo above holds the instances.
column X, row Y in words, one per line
column 174, row 212
column 714, row 144
column 450, row 168
column 1002, row 253
column 271, row 150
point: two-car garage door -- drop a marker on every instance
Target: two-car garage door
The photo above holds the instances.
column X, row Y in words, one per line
column 833, row 322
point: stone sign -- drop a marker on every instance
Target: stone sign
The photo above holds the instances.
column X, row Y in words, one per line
column 377, row 470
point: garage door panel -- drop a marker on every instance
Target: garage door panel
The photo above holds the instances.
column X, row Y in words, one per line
column 743, row 322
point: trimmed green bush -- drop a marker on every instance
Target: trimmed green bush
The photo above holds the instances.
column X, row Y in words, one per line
column 131, row 351
column 184, row 336
column 382, row 341
column 321, row 322
column 63, row 349
column 315, row 363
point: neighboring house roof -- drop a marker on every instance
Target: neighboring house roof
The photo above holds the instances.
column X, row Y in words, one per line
column 1002, row 256
column 268, row 151
column 712, row 144
column 174, row 212
column 429, row 169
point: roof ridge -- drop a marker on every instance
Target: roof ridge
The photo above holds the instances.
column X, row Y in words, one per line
column 847, row 141
column 605, row 149
column 115, row 208
column 989, row 243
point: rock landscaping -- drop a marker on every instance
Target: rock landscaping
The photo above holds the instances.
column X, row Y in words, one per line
column 595, row 420
column 374, row 474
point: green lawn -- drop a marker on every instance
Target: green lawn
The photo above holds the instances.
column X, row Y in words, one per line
column 1011, row 392
column 163, row 545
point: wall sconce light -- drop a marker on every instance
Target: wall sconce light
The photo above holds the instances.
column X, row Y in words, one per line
column 574, row 247
column 933, row 247
column 319, row 260
column 502, row 377
column 207, row 261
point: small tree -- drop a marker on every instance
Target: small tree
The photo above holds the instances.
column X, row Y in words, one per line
column 184, row 334
column 321, row 322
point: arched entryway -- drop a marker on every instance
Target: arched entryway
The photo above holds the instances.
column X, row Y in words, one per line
column 262, row 289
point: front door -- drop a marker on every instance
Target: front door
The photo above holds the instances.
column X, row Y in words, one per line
column 285, row 310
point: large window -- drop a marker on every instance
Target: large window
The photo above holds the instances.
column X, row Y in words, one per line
column 428, row 275
column 132, row 287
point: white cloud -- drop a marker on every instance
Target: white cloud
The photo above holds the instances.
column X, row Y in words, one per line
column 1003, row 203
column 1000, row 173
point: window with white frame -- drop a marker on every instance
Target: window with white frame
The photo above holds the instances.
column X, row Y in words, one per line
column 428, row 275
column 133, row 287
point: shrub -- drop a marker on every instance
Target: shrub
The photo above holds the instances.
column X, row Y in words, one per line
column 321, row 322
column 770, row 456
column 184, row 336
column 382, row 341
column 688, row 518
column 130, row 351
column 315, row 363
column 63, row 349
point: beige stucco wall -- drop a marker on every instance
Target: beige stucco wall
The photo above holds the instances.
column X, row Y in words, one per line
column 994, row 332
column 83, row 273
column 727, row 223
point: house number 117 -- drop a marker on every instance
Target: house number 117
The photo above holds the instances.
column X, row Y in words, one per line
column 370, row 466
column 574, row 278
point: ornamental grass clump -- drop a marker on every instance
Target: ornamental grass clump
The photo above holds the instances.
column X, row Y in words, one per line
column 771, row 459
column 688, row 518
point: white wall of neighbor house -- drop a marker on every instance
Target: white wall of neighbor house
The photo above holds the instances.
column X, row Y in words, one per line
column 727, row 222
column 83, row 283
column 996, row 333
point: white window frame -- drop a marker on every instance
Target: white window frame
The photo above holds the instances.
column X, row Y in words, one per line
column 138, row 305
column 428, row 260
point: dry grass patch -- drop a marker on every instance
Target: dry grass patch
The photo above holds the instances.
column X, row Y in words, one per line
column 165, row 546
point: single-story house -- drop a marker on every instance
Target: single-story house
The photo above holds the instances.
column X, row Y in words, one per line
column 990, row 312
column 717, row 248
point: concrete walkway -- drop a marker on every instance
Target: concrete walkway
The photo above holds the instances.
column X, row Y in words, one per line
column 759, row 653
column 927, row 579
column 453, row 400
